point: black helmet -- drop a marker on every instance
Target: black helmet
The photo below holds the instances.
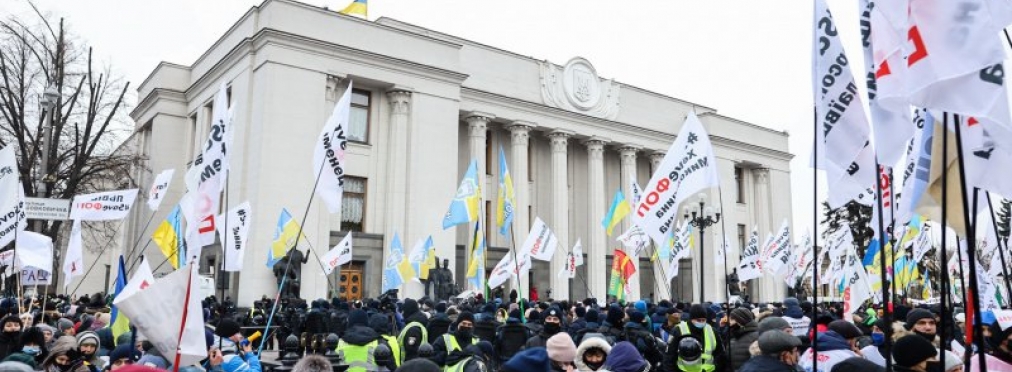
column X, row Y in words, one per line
column 382, row 354
column 689, row 349
column 425, row 351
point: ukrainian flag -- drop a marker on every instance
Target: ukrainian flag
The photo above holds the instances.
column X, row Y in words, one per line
column 476, row 268
column 358, row 7
column 504, row 206
column 168, row 237
column 284, row 238
column 619, row 209
column 464, row 207
column 926, row 291
column 120, row 323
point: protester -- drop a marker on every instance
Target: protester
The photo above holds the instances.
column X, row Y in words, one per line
column 88, row 345
column 778, row 353
column 229, row 353
column 743, row 332
column 625, row 358
column 552, row 325
column 834, row 346
column 923, row 323
column 11, row 335
column 857, row 364
column 32, row 351
column 528, row 360
column 592, row 354
column 122, row 356
column 880, row 331
column 914, row 353
column 562, row 352
column 511, row 337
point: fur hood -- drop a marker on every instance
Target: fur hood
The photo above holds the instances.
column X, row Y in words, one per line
column 589, row 343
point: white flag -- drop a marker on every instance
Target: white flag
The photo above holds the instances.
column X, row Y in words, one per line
column 541, row 242
column 634, row 240
column 12, row 214
column 578, row 252
column 205, row 180
column 238, row 223
column 337, row 256
column 856, row 290
column 328, row 157
column 749, row 267
column 159, row 188
column 141, row 280
column 843, row 134
column 73, row 262
column 801, row 261
column 167, row 308
column 103, row 206
column 508, row 269
column 688, row 167
column 199, row 219
column 569, row 267
column 776, row 253
column 890, row 115
column 723, row 250
column 34, row 250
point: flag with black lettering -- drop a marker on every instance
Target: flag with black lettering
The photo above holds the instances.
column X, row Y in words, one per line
column 843, row 133
column 337, row 256
column 158, row 188
column 103, row 206
column 749, row 267
column 12, row 196
column 205, row 179
column 776, row 253
column 238, row 222
column 890, row 113
column 328, row 157
column 688, row 167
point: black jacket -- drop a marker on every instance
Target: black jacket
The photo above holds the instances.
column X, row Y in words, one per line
column 413, row 336
column 644, row 342
column 671, row 357
column 442, row 357
column 438, row 325
column 741, row 339
column 8, row 343
column 360, row 335
column 510, row 339
column 764, row 363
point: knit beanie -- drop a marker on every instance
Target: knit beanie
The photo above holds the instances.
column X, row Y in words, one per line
column 915, row 315
column 615, row 315
column 580, row 312
column 592, row 316
column 697, row 311
column 636, row 317
column 772, row 322
column 87, row 338
column 124, row 352
column 742, row 316
column 14, row 367
column 64, row 324
column 227, row 328
column 951, row 360
column 561, row 347
column 846, row 329
column 152, row 360
column 358, row 317
column 857, row 364
column 528, row 360
column 776, row 341
column 910, row 350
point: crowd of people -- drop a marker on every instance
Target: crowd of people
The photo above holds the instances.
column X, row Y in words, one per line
column 474, row 335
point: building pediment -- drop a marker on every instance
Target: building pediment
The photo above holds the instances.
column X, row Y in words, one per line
column 576, row 87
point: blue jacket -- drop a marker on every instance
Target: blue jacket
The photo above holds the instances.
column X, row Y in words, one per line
column 829, row 341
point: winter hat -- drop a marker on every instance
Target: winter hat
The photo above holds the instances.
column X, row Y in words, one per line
column 641, row 306
column 515, row 314
column 486, row 348
column 14, row 367
column 313, row 363
column 379, row 323
column 624, row 358
column 580, row 312
column 857, row 364
column 64, row 324
column 441, row 307
column 636, row 317
column 791, row 302
column 409, row 308
column 846, row 329
column 915, row 315
column 552, row 311
column 772, row 322
column 135, row 368
column 155, row 361
column 227, row 328
column 951, row 360
column 742, row 316
column 358, row 317
column 11, row 319
column 33, row 335
column 561, row 347
column 466, row 315
column 615, row 315
column 910, row 350
column 776, row 341
column 533, row 359
column 697, row 311
column 419, row 365
column 88, row 338
column 124, row 351
column 592, row 316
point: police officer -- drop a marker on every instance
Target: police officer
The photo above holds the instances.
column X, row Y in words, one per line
column 381, row 324
column 698, row 329
column 414, row 333
column 690, row 354
column 359, row 343
column 448, row 348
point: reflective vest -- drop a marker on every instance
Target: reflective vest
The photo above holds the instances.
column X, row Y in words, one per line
column 359, row 358
column 709, row 344
column 459, row 367
column 395, row 349
column 404, row 333
column 451, row 346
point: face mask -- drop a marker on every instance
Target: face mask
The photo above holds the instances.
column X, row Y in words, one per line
column 64, row 368
column 594, row 366
column 31, row 350
column 878, row 339
column 699, row 325
column 933, row 366
column 552, row 328
column 929, row 337
column 464, row 333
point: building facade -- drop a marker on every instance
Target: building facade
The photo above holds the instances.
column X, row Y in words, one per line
column 424, row 105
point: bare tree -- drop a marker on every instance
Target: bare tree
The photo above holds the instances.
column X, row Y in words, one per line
column 89, row 118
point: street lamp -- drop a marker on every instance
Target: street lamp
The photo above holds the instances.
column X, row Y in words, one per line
column 701, row 221
column 49, row 100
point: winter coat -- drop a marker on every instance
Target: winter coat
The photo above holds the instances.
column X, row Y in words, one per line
column 832, row 348
column 741, row 339
column 414, row 334
column 8, row 343
column 21, row 357
column 624, row 358
column 591, row 343
column 765, row 363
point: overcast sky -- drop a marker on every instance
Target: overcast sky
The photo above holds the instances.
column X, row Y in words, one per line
column 748, row 59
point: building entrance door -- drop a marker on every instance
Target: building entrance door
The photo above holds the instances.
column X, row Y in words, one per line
column 351, row 282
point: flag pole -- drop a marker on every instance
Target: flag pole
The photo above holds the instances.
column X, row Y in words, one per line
column 727, row 286
column 944, row 254
column 884, row 251
column 660, row 264
column 138, row 240
column 1001, row 252
column 815, row 230
column 221, row 269
column 516, row 265
column 974, row 297
column 182, row 325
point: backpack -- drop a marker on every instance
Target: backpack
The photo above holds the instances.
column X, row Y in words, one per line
column 485, row 329
column 510, row 340
column 644, row 343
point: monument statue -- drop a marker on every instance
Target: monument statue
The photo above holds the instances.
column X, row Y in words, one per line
column 291, row 264
column 733, row 284
column 444, row 282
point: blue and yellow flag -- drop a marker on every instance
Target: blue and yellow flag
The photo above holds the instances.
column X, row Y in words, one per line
column 504, row 207
column 926, row 288
column 169, row 238
column 396, row 267
column 284, row 238
column 476, row 265
column 619, row 209
column 119, row 322
column 357, row 7
column 464, row 207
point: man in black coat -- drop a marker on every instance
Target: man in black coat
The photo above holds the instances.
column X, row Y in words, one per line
column 552, row 325
column 415, row 322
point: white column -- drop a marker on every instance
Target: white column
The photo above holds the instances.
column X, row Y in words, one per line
column 597, row 272
column 477, row 127
column 662, row 287
column 560, row 210
column 763, row 219
column 400, row 109
column 628, row 156
column 519, row 139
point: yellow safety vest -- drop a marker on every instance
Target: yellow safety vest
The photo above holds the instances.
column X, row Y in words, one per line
column 404, row 333
column 451, row 346
column 359, row 358
column 395, row 348
column 459, row 367
column 709, row 344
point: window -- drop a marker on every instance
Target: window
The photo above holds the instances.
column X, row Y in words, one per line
column 353, row 204
column 489, row 219
column 742, row 236
column 358, row 127
column 489, row 153
column 739, row 184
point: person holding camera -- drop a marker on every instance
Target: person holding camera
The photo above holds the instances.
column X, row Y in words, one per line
column 232, row 353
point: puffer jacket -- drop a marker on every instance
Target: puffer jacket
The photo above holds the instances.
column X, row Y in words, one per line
column 741, row 339
column 591, row 343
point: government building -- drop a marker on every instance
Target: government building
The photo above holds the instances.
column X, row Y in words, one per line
column 424, row 104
